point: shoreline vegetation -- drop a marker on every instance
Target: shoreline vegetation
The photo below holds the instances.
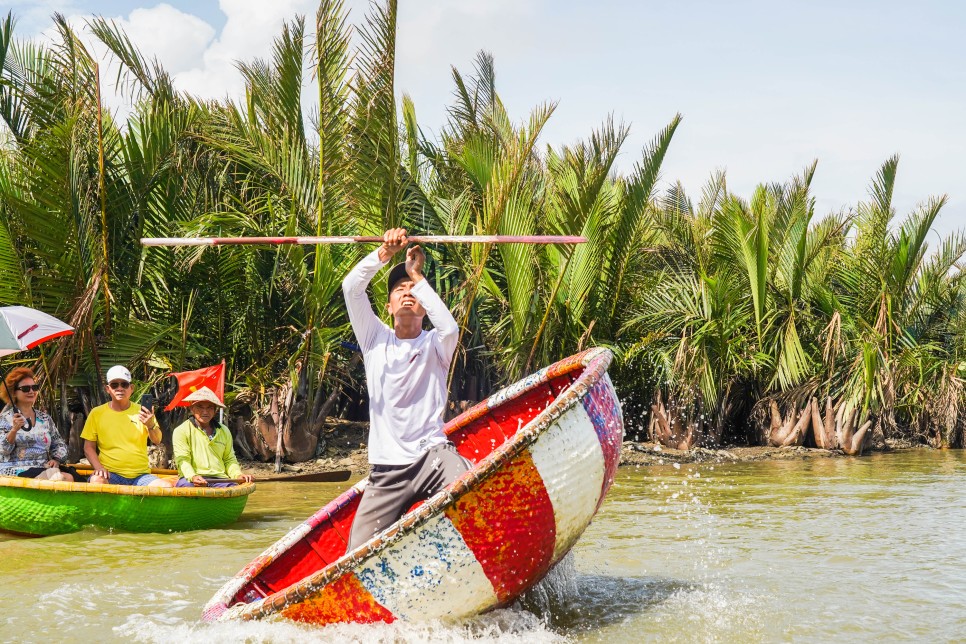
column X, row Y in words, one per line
column 349, row 453
column 734, row 319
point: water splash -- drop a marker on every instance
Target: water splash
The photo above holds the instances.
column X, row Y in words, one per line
column 506, row 625
column 706, row 605
column 575, row 602
column 554, row 593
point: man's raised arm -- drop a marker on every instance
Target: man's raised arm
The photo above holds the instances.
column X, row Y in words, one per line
column 364, row 321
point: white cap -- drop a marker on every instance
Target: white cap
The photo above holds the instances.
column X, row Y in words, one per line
column 118, row 372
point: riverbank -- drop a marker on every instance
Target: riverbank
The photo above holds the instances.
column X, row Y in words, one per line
column 640, row 454
column 345, row 449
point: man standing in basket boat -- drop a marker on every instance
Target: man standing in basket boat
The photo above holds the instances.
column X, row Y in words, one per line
column 202, row 446
column 406, row 373
column 116, row 434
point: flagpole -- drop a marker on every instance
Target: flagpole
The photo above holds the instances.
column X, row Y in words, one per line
column 419, row 239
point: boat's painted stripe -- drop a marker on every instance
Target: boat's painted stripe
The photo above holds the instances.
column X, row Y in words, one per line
column 604, row 410
column 571, row 464
column 344, row 600
column 508, row 523
column 62, row 488
column 428, row 574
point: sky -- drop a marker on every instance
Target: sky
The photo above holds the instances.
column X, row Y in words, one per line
column 764, row 87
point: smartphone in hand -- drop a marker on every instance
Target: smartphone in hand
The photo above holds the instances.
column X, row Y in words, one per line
column 147, row 400
column 26, row 421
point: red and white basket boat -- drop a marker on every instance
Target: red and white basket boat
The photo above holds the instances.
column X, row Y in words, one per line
column 545, row 450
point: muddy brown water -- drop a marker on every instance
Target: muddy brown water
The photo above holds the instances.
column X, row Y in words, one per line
column 868, row 549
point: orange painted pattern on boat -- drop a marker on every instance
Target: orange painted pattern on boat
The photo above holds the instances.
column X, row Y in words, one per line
column 344, row 600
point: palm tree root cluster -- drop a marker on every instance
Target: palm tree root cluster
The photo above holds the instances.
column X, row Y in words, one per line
column 837, row 429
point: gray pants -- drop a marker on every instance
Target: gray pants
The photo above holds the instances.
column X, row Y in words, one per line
column 392, row 489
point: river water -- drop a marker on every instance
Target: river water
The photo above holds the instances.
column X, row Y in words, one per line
column 867, row 549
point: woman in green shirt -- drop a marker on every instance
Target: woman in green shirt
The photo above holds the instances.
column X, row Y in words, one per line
column 203, row 447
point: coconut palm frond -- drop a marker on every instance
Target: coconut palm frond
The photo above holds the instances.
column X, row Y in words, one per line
column 373, row 127
column 149, row 75
column 627, row 226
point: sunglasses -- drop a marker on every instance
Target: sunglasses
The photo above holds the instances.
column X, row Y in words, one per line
column 28, row 388
column 118, row 384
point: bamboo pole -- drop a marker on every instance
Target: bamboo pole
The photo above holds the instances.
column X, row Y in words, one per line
column 418, row 239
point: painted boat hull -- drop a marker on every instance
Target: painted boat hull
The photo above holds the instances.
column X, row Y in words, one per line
column 42, row 508
column 545, row 452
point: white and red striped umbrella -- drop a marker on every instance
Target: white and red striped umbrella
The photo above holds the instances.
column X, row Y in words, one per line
column 23, row 328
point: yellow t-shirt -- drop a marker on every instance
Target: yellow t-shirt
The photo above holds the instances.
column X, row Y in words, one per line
column 122, row 439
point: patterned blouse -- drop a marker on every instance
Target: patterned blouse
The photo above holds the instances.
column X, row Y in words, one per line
column 29, row 449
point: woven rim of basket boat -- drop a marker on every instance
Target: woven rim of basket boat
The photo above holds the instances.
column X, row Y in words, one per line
column 596, row 361
column 242, row 489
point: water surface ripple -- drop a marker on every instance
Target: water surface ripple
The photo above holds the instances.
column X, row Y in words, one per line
column 809, row 551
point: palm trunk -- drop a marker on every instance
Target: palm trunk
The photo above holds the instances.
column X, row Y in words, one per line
column 791, row 430
column 671, row 429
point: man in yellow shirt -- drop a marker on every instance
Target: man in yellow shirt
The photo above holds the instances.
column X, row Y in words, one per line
column 202, row 446
column 116, row 435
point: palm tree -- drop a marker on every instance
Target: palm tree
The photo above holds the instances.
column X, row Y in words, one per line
column 693, row 323
column 896, row 304
column 725, row 314
column 77, row 194
column 486, row 176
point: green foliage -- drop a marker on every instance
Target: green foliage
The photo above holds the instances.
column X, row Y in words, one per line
column 710, row 303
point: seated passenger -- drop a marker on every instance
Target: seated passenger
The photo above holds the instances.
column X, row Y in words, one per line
column 202, row 445
column 116, row 435
column 30, row 445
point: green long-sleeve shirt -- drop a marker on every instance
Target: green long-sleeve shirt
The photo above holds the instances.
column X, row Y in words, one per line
column 194, row 453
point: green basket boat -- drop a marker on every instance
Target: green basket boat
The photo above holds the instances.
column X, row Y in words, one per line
column 41, row 508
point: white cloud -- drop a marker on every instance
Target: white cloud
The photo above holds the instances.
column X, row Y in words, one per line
column 431, row 37
column 33, row 16
column 249, row 31
column 176, row 38
column 187, row 47
column 179, row 40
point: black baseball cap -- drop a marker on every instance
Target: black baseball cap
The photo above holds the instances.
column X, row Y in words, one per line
column 397, row 274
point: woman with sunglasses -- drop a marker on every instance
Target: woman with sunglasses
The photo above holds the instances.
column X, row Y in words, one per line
column 30, row 445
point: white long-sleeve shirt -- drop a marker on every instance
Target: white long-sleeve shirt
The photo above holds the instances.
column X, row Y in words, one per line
column 406, row 378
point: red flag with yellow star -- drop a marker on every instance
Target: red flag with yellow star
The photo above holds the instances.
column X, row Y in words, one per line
column 191, row 381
